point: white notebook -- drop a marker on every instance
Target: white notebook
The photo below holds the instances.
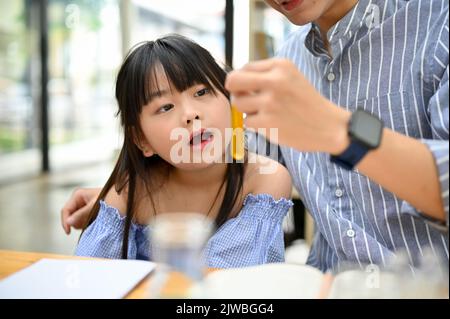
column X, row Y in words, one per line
column 75, row 279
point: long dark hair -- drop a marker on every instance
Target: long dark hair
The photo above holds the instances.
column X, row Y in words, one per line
column 185, row 64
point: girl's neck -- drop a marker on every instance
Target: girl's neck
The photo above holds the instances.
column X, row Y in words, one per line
column 200, row 179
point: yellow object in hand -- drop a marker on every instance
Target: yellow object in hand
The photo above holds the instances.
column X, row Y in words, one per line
column 237, row 143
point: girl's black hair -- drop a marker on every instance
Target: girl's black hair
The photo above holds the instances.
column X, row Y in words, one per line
column 185, row 64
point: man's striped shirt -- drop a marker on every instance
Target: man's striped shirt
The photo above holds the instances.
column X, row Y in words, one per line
column 389, row 57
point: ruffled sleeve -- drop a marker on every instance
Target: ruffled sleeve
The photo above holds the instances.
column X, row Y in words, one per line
column 254, row 237
column 103, row 238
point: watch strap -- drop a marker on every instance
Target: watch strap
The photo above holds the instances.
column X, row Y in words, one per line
column 351, row 156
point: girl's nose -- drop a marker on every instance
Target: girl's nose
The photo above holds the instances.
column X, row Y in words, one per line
column 189, row 120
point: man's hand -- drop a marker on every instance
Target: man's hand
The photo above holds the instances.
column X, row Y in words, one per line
column 274, row 94
column 76, row 210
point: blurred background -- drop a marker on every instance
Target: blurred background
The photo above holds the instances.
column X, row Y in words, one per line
column 58, row 63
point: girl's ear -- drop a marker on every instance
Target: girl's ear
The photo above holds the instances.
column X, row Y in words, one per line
column 142, row 144
column 146, row 149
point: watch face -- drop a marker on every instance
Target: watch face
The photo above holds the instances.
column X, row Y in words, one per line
column 366, row 128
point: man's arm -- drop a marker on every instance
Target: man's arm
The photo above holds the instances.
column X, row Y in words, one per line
column 309, row 122
column 407, row 168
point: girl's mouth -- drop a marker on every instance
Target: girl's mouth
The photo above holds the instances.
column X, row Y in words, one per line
column 291, row 4
column 200, row 139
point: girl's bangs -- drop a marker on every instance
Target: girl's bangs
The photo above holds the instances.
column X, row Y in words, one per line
column 183, row 68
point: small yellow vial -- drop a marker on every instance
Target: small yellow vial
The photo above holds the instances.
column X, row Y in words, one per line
column 237, row 143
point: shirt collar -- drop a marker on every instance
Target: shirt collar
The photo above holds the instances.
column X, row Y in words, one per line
column 341, row 33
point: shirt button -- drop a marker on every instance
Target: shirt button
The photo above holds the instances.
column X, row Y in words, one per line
column 331, row 77
column 351, row 233
column 339, row 193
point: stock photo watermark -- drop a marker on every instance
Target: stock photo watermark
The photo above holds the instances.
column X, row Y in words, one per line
column 373, row 277
column 73, row 16
column 72, row 278
column 206, row 145
column 372, row 16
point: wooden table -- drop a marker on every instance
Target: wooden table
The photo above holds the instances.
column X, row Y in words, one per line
column 13, row 261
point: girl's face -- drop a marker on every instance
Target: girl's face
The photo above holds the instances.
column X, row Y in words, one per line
column 189, row 112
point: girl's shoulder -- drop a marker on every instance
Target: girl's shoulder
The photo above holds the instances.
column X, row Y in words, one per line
column 143, row 210
column 117, row 200
column 267, row 176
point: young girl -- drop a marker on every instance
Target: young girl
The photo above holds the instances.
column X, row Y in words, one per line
column 164, row 85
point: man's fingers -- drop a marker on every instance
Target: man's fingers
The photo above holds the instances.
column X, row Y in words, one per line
column 76, row 201
column 255, row 76
column 76, row 210
column 66, row 227
column 78, row 219
column 239, row 82
column 260, row 66
column 65, row 213
column 247, row 103
column 251, row 121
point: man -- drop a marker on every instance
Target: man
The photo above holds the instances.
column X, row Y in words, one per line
column 375, row 181
column 389, row 58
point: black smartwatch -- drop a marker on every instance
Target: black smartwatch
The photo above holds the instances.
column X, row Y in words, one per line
column 365, row 131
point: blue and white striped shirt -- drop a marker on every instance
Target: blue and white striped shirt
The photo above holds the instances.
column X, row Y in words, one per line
column 390, row 58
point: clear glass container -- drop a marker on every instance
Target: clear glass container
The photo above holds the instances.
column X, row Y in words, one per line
column 177, row 242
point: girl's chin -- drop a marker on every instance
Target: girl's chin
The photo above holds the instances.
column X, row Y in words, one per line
column 198, row 160
column 195, row 166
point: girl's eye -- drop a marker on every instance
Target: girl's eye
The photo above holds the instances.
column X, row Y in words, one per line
column 165, row 108
column 202, row 92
